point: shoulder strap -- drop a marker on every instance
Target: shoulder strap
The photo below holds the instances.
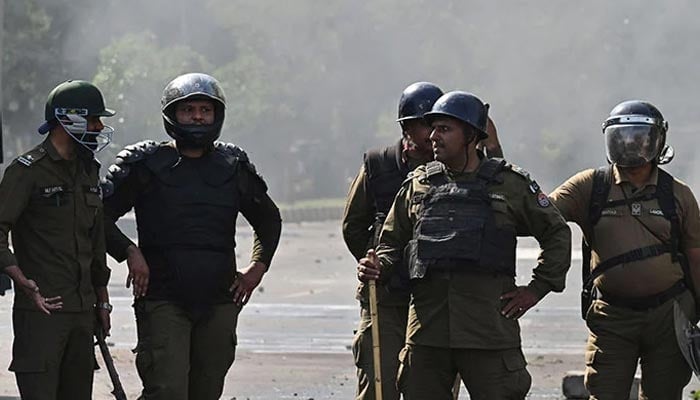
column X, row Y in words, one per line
column 602, row 179
column 29, row 158
column 435, row 173
column 379, row 161
column 490, row 168
column 667, row 202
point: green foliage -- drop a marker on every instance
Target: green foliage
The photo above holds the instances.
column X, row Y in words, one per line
column 311, row 84
column 132, row 73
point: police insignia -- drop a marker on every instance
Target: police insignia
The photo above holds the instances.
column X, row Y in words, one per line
column 26, row 160
column 542, row 200
column 534, row 187
column 636, row 209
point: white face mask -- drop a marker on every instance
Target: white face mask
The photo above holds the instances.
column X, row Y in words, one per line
column 74, row 122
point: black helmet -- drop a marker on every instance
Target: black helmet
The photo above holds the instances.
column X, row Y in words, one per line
column 69, row 104
column 635, row 134
column 193, row 86
column 463, row 106
column 417, row 99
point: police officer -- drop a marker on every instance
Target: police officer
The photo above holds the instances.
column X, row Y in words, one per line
column 50, row 201
column 187, row 194
column 458, row 218
column 642, row 228
column 371, row 194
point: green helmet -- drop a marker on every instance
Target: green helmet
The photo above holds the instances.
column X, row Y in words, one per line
column 69, row 104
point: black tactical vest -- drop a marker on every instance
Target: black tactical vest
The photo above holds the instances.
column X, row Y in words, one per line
column 192, row 203
column 186, row 215
column 456, row 227
column 386, row 172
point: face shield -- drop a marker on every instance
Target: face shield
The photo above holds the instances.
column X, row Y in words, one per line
column 632, row 145
column 74, row 121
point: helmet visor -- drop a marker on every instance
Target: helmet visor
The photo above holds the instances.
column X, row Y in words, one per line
column 632, row 145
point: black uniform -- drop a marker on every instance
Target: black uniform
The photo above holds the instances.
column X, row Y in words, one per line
column 186, row 211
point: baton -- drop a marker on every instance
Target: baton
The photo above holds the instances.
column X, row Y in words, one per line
column 374, row 315
column 118, row 391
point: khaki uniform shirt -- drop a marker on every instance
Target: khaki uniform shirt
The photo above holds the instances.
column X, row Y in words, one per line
column 358, row 219
column 462, row 310
column 618, row 231
column 53, row 208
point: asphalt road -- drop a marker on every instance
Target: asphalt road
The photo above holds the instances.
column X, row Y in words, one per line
column 295, row 334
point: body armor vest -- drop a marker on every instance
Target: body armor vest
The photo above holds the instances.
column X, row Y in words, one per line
column 192, row 204
column 186, row 213
column 456, row 227
column 386, row 171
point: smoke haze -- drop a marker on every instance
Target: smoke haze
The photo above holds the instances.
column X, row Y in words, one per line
column 311, row 85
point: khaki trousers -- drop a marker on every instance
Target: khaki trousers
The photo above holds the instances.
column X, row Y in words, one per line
column 53, row 356
column 392, row 338
column 182, row 355
column 428, row 373
column 620, row 338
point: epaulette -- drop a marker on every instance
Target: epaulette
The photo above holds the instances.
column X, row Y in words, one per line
column 532, row 185
column 120, row 169
column 409, row 177
column 32, row 156
column 434, row 168
column 517, row 170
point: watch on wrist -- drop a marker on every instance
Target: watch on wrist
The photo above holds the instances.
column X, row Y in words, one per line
column 104, row 306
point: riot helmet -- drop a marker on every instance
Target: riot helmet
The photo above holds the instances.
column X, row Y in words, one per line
column 417, row 99
column 635, row 134
column 193, row 86
column 463, row 106
column 69, row 104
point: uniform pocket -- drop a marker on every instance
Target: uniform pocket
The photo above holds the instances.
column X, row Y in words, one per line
column 360, row 354
column 24, row 361
column 520, row 380
column 500, row 213
column 514, row 361
column 28, row 353
column 92, row 199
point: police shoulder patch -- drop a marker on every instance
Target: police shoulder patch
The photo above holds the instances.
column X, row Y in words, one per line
column 543, row 200
column 29, row 158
